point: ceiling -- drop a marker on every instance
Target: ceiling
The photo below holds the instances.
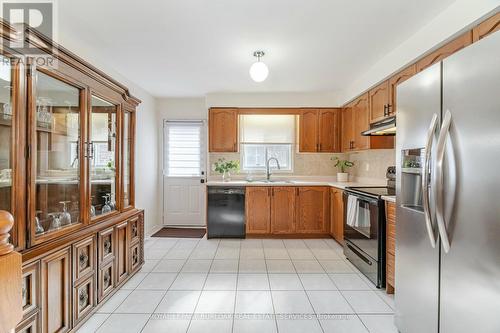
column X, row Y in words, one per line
column 195, row 47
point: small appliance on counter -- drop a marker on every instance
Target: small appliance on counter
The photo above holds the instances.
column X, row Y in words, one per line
column 364, row 228
column 226, row 212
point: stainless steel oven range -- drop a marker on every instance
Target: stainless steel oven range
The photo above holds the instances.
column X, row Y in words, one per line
column 364, row 230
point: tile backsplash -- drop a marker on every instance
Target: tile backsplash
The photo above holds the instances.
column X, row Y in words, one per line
column 370, row 164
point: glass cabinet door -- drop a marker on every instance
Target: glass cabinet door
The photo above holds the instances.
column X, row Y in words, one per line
column 57, row 155
column 6, row 133
column 128, row 141
column 103, row 157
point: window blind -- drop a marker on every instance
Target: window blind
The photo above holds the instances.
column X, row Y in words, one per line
column 267, row 129
column 183, row 145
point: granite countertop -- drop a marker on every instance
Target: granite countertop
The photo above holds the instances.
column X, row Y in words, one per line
column 390, row 198
column 298, row 181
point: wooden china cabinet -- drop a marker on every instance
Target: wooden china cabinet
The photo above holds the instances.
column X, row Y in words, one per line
column 67, row 136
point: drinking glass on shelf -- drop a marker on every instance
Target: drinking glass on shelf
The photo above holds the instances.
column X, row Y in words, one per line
column 92, row 207
column 38, row 226
column 55, row 223
column 65, row 216
column 112, row 202
column 106, row 208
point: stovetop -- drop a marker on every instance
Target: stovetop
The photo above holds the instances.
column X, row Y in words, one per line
column 374, row 191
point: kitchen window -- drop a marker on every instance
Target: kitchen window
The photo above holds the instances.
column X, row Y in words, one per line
column 265, row 136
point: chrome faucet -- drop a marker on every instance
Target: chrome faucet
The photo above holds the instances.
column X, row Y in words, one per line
column 268, row 169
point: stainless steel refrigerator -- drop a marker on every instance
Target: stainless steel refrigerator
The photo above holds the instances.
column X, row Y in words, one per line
column 448, row 195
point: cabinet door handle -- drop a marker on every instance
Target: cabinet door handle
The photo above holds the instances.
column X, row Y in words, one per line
column 385, row 110
column 389, row 107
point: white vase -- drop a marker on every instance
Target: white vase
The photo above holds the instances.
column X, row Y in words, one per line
column 342, row 177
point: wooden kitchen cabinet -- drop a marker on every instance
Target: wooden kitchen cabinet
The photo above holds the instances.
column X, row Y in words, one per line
column 445, row 51
column 223, row 130
column 56, row 297
column 258, row 210
column 122, row 252
column 390, row 246
column 347, row 128
column 283, row 210
column 319, row 130
column 398, row 78
column 312, row 209
column 361, row 122
column 487, row 27
column 337, row 215
column 379, row 102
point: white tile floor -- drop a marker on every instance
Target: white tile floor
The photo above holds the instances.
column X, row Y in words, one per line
column 253, row 285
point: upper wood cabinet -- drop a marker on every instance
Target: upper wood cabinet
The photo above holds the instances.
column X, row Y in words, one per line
column 398, row 78
column 312, row 209
column 283, row 210
column 223, row 130
column 445, row 51
column 379, row 102
column 347, row 128
column 487, row 27
column 308, row 131
column 337, row 215
column 258, row 209
column 319, row 130
column 361, row 122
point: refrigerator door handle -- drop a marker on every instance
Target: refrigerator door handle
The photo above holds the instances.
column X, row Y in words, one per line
column 425, row 180
column 438, row 186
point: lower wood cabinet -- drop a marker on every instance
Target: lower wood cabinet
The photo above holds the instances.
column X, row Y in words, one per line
column 337, row 215
column 258, row 209
column 122, row 251
column 29, row 325
column 84, row 299
column 283, row 210
column 106, row 278
column 390, row 246
column 56, row 293
column 312, row 212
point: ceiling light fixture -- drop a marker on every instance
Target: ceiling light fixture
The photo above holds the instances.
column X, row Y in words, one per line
column 258, row 70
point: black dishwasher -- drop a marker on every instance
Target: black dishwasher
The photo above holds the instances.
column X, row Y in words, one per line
column 226, row 212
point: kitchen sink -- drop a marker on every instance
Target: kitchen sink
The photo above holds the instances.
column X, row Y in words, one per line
column 273, row 181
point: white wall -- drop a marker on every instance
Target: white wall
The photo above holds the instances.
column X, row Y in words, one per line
column 147, row 188
column 284, row 99
column 458, row 17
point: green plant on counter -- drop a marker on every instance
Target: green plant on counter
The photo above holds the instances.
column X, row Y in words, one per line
column 110, row 165
column 342, row 164
column 222, row 166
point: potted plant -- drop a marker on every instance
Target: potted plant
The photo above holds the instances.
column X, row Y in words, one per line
column 342, row 176
column 226, row 167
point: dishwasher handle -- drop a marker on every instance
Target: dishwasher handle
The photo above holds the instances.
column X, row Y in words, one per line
column 226, row 190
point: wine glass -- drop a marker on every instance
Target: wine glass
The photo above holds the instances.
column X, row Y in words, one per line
column 38, row 226
column 106, row 208
column 112, row 201
column 65, row 215
column 92, row 207
column 56, row 221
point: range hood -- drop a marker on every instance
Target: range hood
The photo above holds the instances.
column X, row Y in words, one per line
column 383, row 127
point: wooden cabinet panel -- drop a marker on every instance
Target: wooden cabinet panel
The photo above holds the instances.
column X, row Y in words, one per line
column 134, row 230
column 106, row 248
column 308, row 131
column 445, row 51
column 135, row 257
column 398, row 78
column 56, row 284
column 347, row 128
column 84, row 257
column 283, row 210
column 312, row 212
column 361, row 122
column 329, row 130
column 122, row 249
column 30, row 325
column 223, row 130
column 379, row 102
column 83, row 299
column 337, row 215
column 106, row 277
column 31, row 289
column 258, row 210
column 487, row 27
column 390, row 212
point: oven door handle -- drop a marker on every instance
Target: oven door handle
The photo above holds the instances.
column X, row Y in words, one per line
column 425, row 180
column 359, row 254
column 370, row 201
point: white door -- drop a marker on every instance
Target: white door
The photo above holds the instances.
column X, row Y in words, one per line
column 184, row 198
